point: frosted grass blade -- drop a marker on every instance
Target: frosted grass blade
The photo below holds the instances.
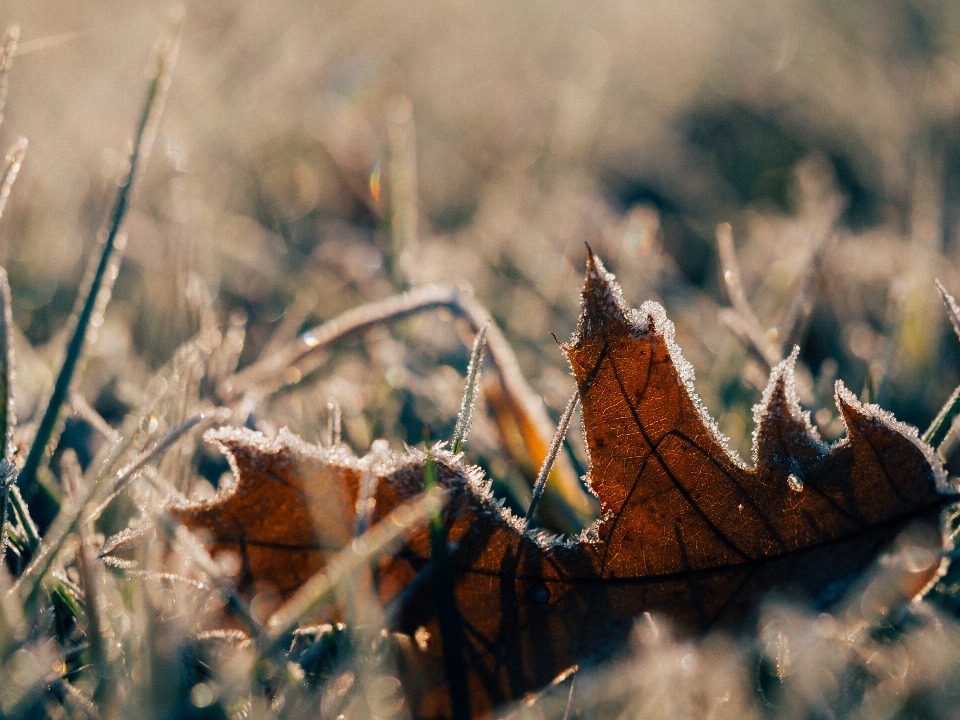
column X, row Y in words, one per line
column 470, row 390
column 42, row 504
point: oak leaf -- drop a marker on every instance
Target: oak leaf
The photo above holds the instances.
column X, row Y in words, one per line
column 687, row 530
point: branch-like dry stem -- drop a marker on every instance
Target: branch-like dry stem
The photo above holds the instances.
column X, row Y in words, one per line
column 373, row 543
column 535, row 426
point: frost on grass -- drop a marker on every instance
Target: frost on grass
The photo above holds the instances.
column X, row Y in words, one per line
column 470, row 390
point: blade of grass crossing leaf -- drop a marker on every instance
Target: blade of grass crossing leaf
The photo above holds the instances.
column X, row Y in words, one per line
column 445, row 602
column 7, row 417
column 190, row 546
column 44, row 505
column 555, row 445
column 470, row 390
column 320, row 589
column 401, row 176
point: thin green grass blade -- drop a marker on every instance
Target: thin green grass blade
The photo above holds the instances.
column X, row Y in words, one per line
column 322, row 587
column 470, row 390
column 937, row 432
column 556, row 443
column 441, row 577
column 12, row 165
column 7, row 418
column 186, row 543
column 43, row 505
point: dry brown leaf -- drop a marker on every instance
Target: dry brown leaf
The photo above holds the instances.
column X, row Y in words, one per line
column 688, row 531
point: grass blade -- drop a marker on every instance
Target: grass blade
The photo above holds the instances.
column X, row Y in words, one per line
column 445, row 602
column 470, row 390
column 11, row 168
column 43, row 506
column 940, row 427
column 548, row 461
column 14, row 159
column 8, row 48
column 953, row 310
column 20, row 511
column 7, row 417
column 401, row 176
column 937, row 432
column 89, row 581
column 374, row 542
column 568, row 503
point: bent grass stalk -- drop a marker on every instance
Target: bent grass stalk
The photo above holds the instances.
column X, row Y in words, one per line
column 320, row 589
column 574, row 507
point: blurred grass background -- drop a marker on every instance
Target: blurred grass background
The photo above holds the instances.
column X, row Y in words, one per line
column 316, row 156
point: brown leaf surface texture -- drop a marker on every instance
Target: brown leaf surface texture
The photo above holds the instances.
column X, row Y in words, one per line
column 687, row 530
